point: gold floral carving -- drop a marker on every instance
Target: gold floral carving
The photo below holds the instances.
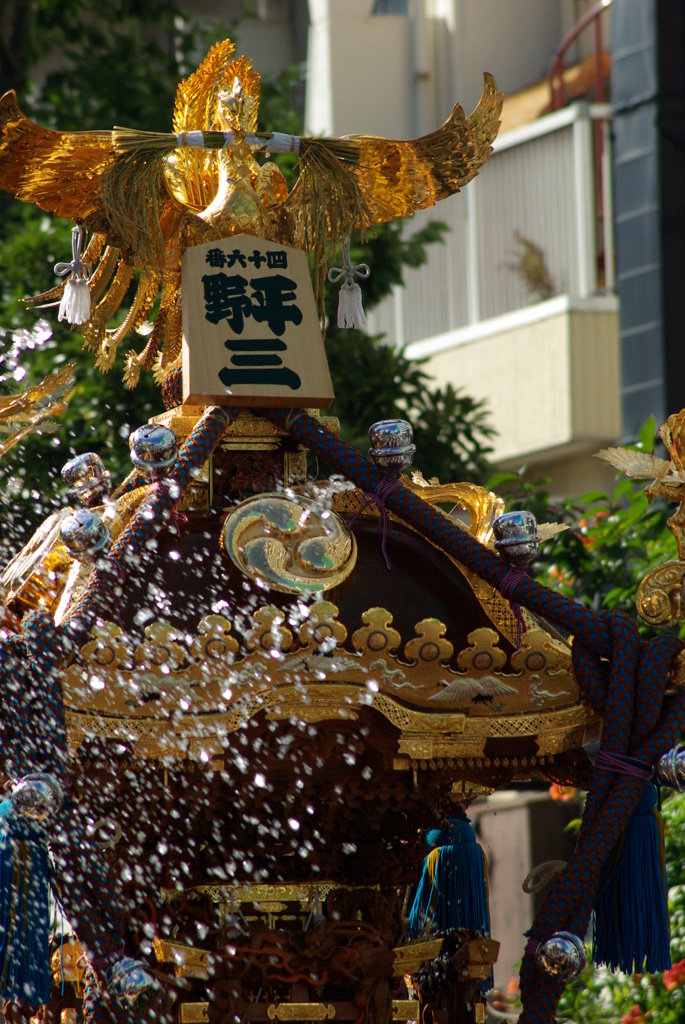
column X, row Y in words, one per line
column 214, row 643
column 178, row 696
column 377, row 635
column 268, row 634
column 483, row 654
column 322, row 629
column 430, row 649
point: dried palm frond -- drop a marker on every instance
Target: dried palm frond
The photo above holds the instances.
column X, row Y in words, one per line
column 639, row 465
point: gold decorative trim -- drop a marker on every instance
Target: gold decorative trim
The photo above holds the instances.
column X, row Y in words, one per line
column 402, row 1010
column 300, row 1011
column 194, row 1013
column 266, row 895
column 205, row 689
column 406, row 1009
column 188, row 961
column 408, row 958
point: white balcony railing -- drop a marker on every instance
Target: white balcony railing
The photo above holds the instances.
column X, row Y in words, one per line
column 547, row 182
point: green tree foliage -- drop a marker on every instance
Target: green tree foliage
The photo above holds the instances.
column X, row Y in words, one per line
column 612, row 540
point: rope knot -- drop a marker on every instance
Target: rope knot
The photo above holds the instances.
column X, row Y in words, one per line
column 350, row 310
column 507, row 587
column 75, row 304
column 388, row 483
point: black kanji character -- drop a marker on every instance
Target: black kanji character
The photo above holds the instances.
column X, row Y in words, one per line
column 257, row 258
column 215, row 257
column 235, row 257
column 256, row 362
column 282, row 375
column 272, row 294
column 225, row 299
column 277, row 260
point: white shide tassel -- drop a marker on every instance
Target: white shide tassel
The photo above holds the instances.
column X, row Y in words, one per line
column 75, row 304
column 350, row 309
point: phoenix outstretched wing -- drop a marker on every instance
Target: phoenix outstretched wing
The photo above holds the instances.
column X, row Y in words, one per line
column 147, row 203
column 398, row 178
column 390, row 178
column 56, row 171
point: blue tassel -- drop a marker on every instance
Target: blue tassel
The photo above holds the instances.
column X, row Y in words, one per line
column 631, row 928
column 452, row 892
column 24, row 909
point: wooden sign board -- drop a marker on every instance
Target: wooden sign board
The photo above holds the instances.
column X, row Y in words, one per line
column 251, row 332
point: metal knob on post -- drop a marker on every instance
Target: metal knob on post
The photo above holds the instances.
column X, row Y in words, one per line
column 37, row 796
column 517, row 539
column 84, row 535
column 391, row 448
column 562, row 955
column 88, row 481
column 670, row 769
column 154, row 450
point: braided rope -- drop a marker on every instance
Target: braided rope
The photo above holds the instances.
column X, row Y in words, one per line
column 172, row 388
column 96, row 1011
column 619, row 675
column 441, row 529
column 30, row 664
column 147, row 521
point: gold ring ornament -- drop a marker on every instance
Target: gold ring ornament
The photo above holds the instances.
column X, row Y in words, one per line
column 291, row 543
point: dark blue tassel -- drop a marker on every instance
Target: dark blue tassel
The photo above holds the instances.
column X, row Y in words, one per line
column 453, row 890
column 631, row 928
column 24, row 909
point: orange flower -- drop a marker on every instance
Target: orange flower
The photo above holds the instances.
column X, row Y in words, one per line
column 675, row 977
column 558, row 792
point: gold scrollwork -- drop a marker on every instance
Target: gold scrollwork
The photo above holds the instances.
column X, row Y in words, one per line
column 659, row 598
column 482, row 506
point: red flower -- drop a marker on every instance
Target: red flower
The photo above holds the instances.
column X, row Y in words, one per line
column 634, row 1016
column 675, row 977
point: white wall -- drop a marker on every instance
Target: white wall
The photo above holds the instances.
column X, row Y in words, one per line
column 400, row 76
column 359, row 71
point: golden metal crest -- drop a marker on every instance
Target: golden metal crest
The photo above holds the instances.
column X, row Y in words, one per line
column 293, row 544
